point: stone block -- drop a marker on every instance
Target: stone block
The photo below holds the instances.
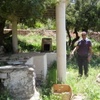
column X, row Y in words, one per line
column 3, row 75
column 20, row 83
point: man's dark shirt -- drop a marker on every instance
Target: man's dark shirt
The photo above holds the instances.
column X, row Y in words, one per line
column 83, row 47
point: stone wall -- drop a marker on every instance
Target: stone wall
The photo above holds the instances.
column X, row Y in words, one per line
column 19, row 81
column 95, row 36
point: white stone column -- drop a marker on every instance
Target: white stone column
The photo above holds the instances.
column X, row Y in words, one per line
column 61, row 40
column 14, row 35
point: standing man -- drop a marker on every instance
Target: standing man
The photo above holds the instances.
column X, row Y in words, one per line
column 84, row 52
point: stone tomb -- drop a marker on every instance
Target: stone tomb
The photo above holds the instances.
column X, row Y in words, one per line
column 19, row 80
column 20, row 73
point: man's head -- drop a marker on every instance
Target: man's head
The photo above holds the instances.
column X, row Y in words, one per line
column 84, row 34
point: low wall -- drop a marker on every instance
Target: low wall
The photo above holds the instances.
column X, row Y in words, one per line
column 95, row 36
column 36, row 31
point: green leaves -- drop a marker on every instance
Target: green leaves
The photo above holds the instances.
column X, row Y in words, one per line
column 22, row 8
column 84, row 14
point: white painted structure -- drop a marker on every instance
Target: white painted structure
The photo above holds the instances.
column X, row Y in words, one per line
column 14, row 34
column 61, row 40
column 41, row 62
column 51, row 57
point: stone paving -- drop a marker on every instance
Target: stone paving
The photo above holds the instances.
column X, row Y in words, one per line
column 78, row 97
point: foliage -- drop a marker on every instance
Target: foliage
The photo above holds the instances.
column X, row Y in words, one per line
column 21, row 9
column 21, row 26
column 26, row 11
column 45, row 24
column 38, row 24
column 83, row 15
column 96, row 46
column 51, row 79
column 32, row 42
column 86, row 86
column 5, row 96
column 29, row 43
column 50, row 24
column 51, row 2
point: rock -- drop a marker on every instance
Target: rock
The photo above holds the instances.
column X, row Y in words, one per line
column 2, row 49
column 98, row 78
column 19, row 80
column 78, row 97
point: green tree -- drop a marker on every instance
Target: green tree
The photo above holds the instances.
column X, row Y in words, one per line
column 83, row 15
column 98, row 14
column 17, row 10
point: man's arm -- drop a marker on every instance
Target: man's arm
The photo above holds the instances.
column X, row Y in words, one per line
column 75, row 49
column 90, row 53
column 90, row 50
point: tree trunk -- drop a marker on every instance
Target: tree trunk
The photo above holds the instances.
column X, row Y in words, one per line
column 2, row 25
column 75, row 39
column 14, row 35
column 69, row 42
